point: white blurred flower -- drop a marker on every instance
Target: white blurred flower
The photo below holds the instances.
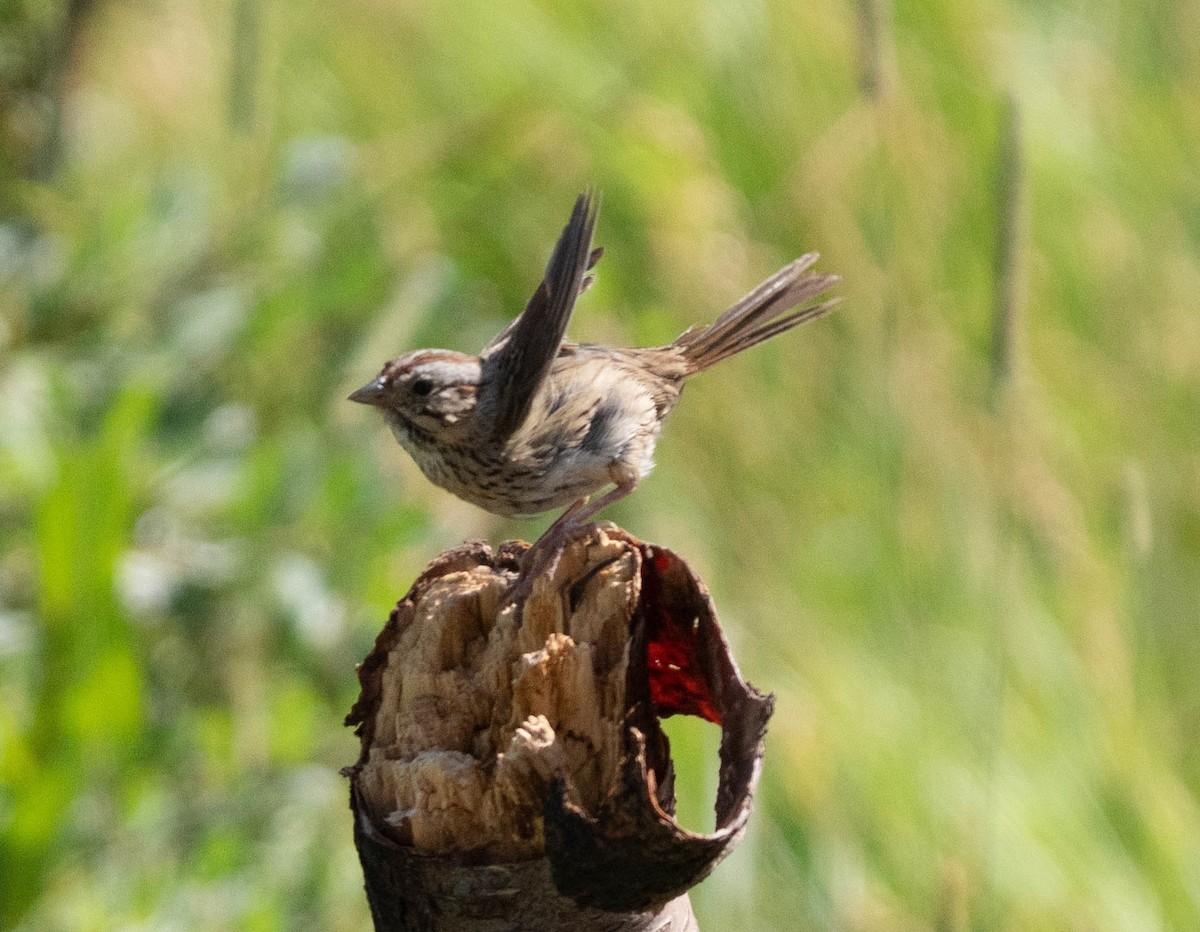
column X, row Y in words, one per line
column 145, row 583
column 24, row 409
column 207, row 323
column 318, row 615
column 167, row 557
column 16, row 633
column 231, row 427
column 313, row 166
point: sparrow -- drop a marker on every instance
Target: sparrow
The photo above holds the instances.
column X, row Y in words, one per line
column 535, row 422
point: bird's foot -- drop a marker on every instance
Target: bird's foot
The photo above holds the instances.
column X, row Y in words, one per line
column 541, row 559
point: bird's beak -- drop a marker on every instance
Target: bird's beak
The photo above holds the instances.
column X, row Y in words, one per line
column 370, row 394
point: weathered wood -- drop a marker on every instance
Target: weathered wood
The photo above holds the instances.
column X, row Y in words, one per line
column 513, row 773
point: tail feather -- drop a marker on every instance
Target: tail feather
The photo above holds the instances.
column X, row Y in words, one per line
column 755, row 317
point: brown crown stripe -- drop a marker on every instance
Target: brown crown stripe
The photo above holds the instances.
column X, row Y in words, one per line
column 397, row 367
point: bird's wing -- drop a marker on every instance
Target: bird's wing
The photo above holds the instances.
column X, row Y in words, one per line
column 498, row 341
column 517, row 361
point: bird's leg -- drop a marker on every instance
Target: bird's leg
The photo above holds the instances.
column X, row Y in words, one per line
column 543, row 556
column 556, row 534
column 581, row 510
column 566, row 518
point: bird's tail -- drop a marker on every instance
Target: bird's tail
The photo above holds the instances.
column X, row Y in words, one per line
column 757, row 316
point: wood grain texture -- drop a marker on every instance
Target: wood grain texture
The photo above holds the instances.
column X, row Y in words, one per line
column 513, row 773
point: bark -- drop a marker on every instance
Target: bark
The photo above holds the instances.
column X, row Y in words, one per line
column 513, row 773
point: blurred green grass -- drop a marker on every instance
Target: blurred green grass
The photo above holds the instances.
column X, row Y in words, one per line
column 980, row 619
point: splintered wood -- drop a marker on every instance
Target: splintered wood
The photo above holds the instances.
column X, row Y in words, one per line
column 513, row 771
column 482, row 703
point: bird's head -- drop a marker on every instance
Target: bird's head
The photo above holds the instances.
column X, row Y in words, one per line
column 425, row 392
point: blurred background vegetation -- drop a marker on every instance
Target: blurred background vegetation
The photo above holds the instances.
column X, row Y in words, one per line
column 956, row 527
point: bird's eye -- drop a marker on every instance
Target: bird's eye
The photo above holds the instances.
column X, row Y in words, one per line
column 422, row 387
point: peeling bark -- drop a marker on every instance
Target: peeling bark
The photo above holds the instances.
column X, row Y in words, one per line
column 513, row 772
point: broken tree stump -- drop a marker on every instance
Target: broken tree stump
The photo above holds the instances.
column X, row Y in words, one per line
column 513, row 773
